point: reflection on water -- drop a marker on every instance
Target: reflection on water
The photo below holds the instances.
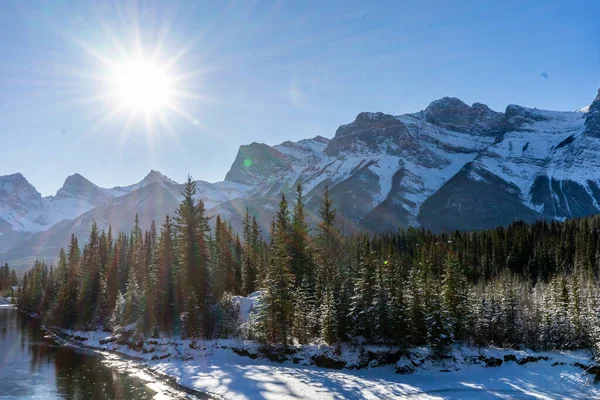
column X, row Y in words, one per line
column 34, row 366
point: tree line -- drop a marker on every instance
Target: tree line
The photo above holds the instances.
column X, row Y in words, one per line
column 8, row 278
column 533, row 285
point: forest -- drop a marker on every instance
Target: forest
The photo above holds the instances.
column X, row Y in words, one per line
column 524, row 285
column 8, row 278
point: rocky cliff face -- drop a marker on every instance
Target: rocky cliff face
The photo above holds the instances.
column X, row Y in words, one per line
column 21, row 204
column 451, row 113
column 592, row 121
column 450, row 166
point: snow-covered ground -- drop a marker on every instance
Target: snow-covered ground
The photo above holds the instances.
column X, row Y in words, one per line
column 5, row 301
column 213, row 367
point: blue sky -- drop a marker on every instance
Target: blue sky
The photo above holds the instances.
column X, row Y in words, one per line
column 268, row 72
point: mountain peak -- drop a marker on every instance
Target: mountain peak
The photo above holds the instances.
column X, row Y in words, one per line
column 255, row 162
column 592, row 121
column 448, row 102
column 320, row 139
column 17, row 193
column 366, row 121
column 454, row 114
column 155, row 176
column 16, row 178
column 78, row 187
column 76, row 179
column 373, row 116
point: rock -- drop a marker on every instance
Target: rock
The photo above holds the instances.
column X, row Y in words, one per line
column 371, row 132
column 109, row 339
column 519, row 118
column 510, row 357
column 405, row 369
column 78, row 187
column 157, row 357
column 244, row 353
column 256, row 163
column 490, row 362
column 327, row 362
column 530, row 359
column 277, row 354
column 590, row 369
column 452, row 113
column 379, row 358
column 592, row 121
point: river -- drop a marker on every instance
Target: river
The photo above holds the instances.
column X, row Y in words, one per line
column 33, row 365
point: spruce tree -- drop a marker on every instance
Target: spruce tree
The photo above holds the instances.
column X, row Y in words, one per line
column 300, row 252
column 166, row 291
column 249, row 263
column 90, row 286
column 328, row 320
column 191, row 226
column 279, row 282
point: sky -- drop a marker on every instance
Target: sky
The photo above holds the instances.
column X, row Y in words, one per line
column 264, row 71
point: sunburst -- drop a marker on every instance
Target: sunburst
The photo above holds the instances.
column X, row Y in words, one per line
column 138, row 82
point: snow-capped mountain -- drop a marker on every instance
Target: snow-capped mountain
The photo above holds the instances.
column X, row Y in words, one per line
column 545, row 166
column 450, row 166
column 26, row 211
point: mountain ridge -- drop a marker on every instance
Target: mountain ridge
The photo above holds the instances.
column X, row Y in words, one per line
column 449, row 166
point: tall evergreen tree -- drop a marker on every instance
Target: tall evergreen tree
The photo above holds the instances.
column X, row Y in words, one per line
column 279, row 282
column 191, row 226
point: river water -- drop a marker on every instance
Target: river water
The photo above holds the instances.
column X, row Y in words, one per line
column 33, row 365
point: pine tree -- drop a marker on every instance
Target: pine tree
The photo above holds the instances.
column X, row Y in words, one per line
column 455, row 296
column 510, row 309
column 417, row 298
column 90, row 292
column 577, row 308
column 67, row 313
column 439, row 322
column 363, row 302
column 304, row 311
column 249, row 263
column 301, row 258
column 328, row 319
column 328, row 247
column 279, row 282
column 237, row 265
column 191, row 226
column 166, row 292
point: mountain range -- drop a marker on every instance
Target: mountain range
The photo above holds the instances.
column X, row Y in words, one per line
column 450, row 166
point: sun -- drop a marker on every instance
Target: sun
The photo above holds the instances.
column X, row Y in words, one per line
column 141, row 79
column 142, row 86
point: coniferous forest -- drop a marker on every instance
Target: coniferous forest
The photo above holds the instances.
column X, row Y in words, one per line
column 532, row 286
column 8, row 278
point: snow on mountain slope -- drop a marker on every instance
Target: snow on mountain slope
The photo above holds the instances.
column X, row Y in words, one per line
column 450, row 166
column 545, row 166
column 26, row 211
column 551, row 146
column 214, row 194
column 152, row 177
column 61, row 209
column 21, row 206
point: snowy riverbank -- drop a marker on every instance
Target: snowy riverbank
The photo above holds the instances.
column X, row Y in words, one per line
column 6, row 302
column 216, row 367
